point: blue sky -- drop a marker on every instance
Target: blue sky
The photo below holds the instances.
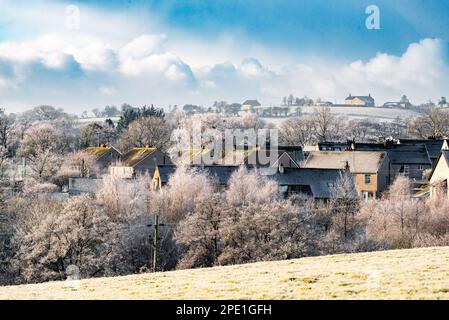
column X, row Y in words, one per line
column 219, row 49
column 339, row 25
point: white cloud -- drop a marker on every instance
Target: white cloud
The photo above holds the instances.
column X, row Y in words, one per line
column 114, row 59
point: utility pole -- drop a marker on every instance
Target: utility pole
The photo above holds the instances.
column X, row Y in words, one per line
column 156, row 226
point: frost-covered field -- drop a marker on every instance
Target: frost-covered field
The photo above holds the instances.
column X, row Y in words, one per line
column 396, row 274
column 379, row 114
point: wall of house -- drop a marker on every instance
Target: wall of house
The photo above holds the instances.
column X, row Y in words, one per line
column 440, row 173
column 361, row 186
column 385, row 176
column 415, row 171
column 355, row 102
column 121, row 171
column 109, row 158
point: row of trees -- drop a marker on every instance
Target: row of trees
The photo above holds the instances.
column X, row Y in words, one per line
column 323, row 126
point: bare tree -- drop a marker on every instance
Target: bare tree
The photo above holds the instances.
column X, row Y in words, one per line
column 146, row 131
column 199, row 233
column 54, row 236
column 42, row 146
column 435, row 123
column 297, row 131
column 326, row 126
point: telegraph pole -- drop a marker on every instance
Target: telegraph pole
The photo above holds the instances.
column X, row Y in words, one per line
column 156, row 226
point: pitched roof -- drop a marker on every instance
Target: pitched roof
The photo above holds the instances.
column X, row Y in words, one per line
column 445, row 155
column 98, row 151
column 253, row 103
column 221, row 174
column 399, row 153
column 320, row 181
column 367, row 99
column 243, row 155
column 433, row 145
column 136, row 155
column 407, row 154
column 359, row 161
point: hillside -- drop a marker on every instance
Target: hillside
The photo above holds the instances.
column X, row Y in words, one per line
column 397, row 274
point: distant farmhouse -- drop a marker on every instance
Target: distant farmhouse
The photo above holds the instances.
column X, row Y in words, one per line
column 365, row 101
column 249, row 105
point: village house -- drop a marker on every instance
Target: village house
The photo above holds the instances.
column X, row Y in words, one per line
column 434, row 146
column 411, row 160
column 439, row 177
column 249, row 105
column 220, row 174
column 104, row 155
column 139, row 161
column 311, row 182
column 315, row 183
column 369, row 168
column 365, row 101
column 251, row 156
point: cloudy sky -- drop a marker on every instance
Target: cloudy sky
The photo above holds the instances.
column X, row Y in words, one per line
column 85, row 54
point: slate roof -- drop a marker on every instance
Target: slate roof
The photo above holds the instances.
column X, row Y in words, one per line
column 406, row 154
column 253, row 103
column 433, row 145
column 136, row 155
column 366, row 99
column 221, row 174
column 399, row 153
column 320, row 181
column 359, row 161
column 248, row 156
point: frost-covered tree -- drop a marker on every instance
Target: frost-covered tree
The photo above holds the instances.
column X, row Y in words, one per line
column 79, row 164
column 297, row 131
column 397, row 218
column 264, row 231
column 53, row 235
column 184, row 188
column 146, row 131
column 247, row 187
column 199, row 233
column 42, row 146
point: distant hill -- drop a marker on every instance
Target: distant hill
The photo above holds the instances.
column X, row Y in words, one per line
column 397, row 274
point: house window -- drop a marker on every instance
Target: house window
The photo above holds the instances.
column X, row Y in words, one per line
column 297, row 189
column 367, row 178
column 406, row 170
column 367, row 195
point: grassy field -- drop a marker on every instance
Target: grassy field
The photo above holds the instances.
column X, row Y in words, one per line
column 397, row 274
